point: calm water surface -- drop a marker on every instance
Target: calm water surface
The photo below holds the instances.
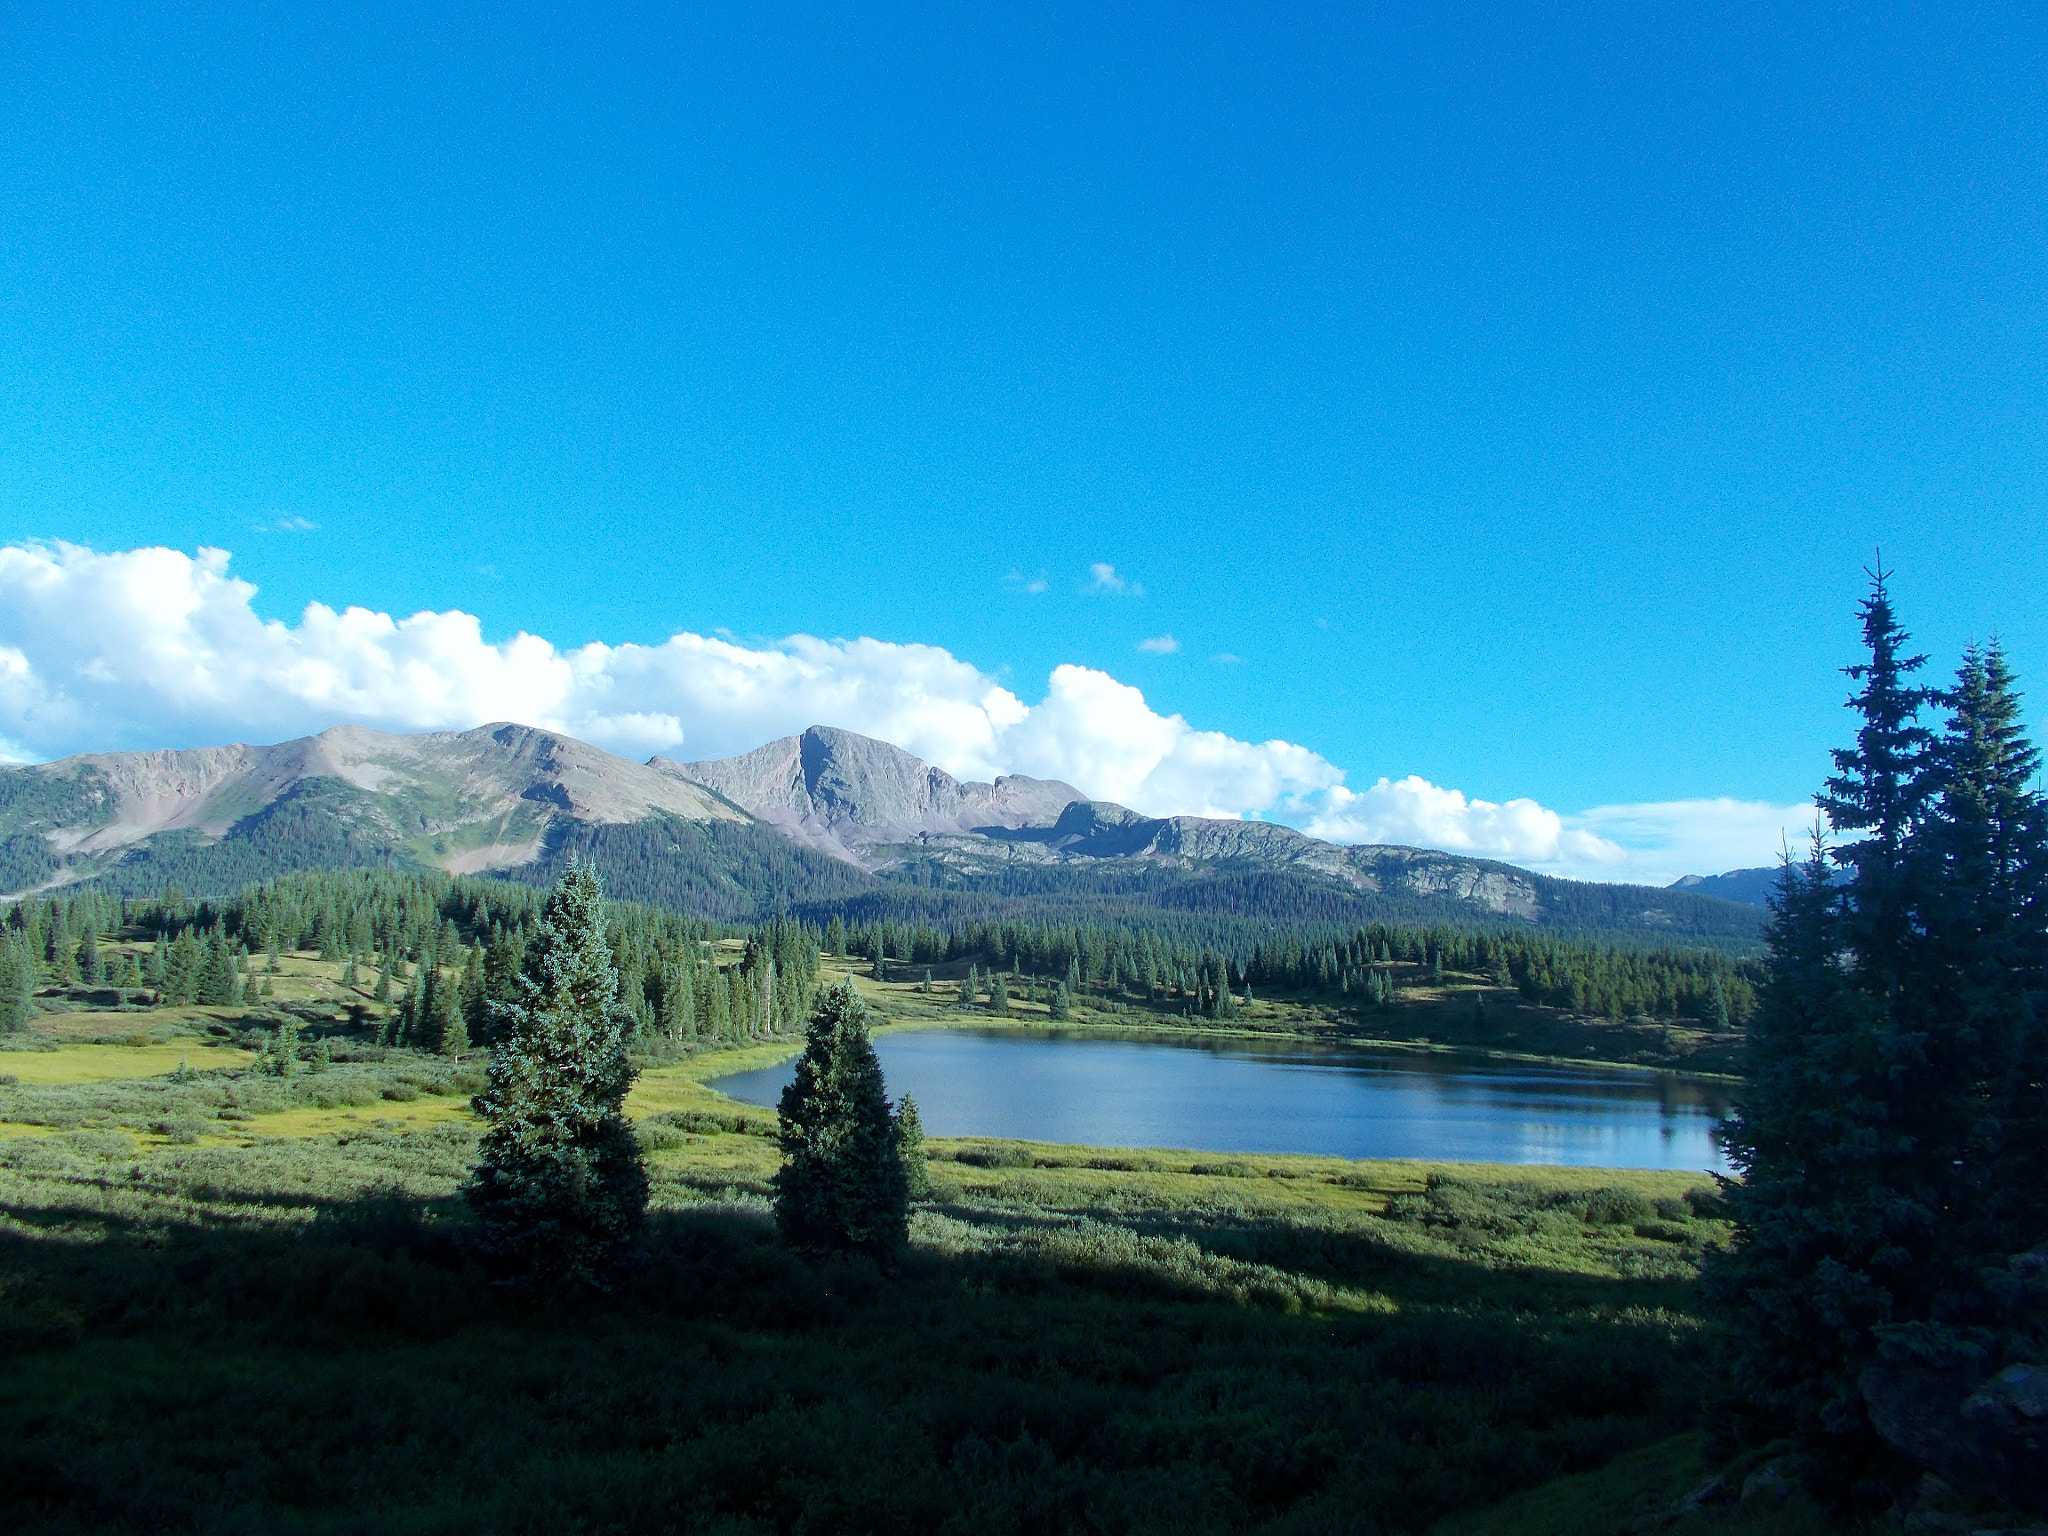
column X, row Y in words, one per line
column 1257, row 1096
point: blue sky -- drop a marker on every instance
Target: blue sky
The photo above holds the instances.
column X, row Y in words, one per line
column 1516, row 396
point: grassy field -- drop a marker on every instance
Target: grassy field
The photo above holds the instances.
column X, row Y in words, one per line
column 233, row 1302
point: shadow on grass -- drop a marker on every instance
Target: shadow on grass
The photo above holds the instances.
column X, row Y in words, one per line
column 175, row 1367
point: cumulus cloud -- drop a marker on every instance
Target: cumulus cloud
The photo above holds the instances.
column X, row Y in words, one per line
column 1647, row 844
column 1103, row 577
column 1159, row 645
column 153, row 647
column 148, row 648
column 1415, row 811
column 1666, row 839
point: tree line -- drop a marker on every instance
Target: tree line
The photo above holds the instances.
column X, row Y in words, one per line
column 1359, row 966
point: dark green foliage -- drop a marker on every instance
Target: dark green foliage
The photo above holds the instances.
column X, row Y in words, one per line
column 217, row 985
column 718, row 870
column 34, row 802
column 917, row 1178
column 842, row 1181
column 1889, row 1130
column 559, row 1188
column 318, row 824
column 1061, row 1007
column 17, row 984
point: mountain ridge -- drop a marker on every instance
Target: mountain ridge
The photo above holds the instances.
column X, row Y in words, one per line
column 823, row 816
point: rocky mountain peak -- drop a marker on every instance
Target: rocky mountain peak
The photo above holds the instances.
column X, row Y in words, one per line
column 841, row 791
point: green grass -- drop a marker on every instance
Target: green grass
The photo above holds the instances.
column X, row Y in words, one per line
column 238, row 1303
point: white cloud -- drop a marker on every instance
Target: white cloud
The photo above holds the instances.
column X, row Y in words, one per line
column 1666, row 839
column 1415, row 812
column 1159, row 645
column 153, row 647
column 1104, row 578
column 1226, row 659
column 1017, row 581
column 1649, row 844
column 290, row 525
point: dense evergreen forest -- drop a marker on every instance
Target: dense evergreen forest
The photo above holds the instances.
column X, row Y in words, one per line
column 447, row 949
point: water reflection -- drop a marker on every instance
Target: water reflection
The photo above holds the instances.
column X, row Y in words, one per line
column 1274, row 1096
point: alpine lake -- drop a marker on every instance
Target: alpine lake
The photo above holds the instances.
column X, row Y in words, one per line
column 1229, row 1094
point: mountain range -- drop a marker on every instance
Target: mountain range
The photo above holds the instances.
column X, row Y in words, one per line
column 826, row 818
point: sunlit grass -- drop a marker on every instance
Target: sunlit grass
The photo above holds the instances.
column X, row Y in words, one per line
column 118, row 1063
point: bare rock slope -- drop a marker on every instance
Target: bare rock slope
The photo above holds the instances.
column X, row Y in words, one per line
column 851, row 795
column 877, row 806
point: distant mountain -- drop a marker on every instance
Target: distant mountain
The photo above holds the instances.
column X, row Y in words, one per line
column 849, row 795
column 1751, row 887
column 826, row 820
column 1036, row 844
column 465, row 801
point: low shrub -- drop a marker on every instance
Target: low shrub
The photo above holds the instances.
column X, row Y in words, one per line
column 1001, row 1157
column 1614, row 1207
column 1707, row 1203
column 712, row 1122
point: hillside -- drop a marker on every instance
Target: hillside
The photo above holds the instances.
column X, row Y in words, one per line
column 465, row 801
column 820, row 821
column 1751, row 887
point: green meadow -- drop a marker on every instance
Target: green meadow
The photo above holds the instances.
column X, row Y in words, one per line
column 232, row 1301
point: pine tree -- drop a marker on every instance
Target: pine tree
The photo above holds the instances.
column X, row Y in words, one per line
column 475, row 1003
column 382, row 991
column 678, row 1003
column 842, row 1181
column 217, row 980
column 1986, row 916
column 917, row 1178
column 1878, row 789
column 1060, row 1007
column 17, row 986
column 559, row 1186
column 451, row 1026
column 1876, row 1129
column 999, row 994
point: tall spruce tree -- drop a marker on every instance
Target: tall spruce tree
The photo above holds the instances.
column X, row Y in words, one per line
column 842, row 1182
column 1987, row 915
column 559, row 1187
column 1888, row 1081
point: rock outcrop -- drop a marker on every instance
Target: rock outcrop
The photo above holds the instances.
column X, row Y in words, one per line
column 847, row 794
